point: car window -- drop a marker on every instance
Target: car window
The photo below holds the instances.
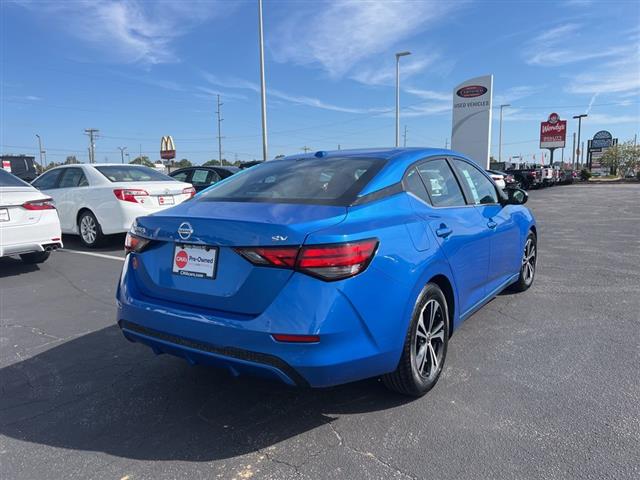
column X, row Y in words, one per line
column 181, row 176
column 413, row 184
column 9, row 180
column 482, row 190
column 441, row 184
column 73, row 177
column 200, row 177
column 47, row 180
column 323, row 181
column 132, row 173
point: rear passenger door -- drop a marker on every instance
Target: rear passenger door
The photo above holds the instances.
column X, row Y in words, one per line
column 73, row 189
column 497, row 220
column 456, row 227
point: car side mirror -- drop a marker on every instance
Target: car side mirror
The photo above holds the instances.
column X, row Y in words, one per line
column 516, row 196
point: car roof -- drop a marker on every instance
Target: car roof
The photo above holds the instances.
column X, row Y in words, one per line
column 397, row 160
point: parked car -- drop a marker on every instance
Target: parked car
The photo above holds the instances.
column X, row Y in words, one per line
column 203, row 177
column 497, row 177
column 29, row 224
column 21, row 166
column 102, row 199
column 321, row 269
column 565, row 177
column 548, row 176
column 527, row 178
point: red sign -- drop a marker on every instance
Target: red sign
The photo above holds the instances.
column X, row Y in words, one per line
column 182, row 259
column 553, row 132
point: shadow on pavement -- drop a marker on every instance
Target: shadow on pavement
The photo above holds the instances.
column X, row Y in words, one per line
column 10, row 267
column 100, row 393
column 111, row 243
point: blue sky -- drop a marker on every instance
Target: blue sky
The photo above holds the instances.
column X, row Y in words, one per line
column 139, row 70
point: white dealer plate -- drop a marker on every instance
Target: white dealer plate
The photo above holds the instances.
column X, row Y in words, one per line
column 165, row 200
column 195, row 261
column 4, row 215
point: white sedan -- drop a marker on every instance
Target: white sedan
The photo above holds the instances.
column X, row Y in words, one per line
column 102, row 199
column 29, row 224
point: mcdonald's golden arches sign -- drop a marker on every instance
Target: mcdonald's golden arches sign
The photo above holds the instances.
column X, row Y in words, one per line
column 167, row 148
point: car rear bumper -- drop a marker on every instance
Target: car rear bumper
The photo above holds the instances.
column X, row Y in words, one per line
column 346, row 351
column 36, row 237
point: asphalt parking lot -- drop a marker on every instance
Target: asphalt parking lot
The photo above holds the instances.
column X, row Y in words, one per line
column 544, row 384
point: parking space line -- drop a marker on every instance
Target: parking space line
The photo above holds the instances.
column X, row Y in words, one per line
column 92, row 254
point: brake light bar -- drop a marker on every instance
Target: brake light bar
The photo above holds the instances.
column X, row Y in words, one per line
column 43, row 204
column 130, row 194
column 189, row 191
column 328, row 262
column 134, row 243
column 285, row 337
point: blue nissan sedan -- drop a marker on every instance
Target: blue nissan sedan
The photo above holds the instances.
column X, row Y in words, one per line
column 326, row 268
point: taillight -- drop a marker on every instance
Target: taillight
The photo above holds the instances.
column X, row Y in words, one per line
column 44, row 204
column 130, row 194
column 327, row 262
column 189, row 191
column 134, row 243
column 288, row 338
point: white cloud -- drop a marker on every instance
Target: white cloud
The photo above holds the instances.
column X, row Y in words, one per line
column 620, row 76
column 129, row 31
column 387, row 75
column 514, row 94
column 610, row 119
column 340, row 34
column 429, row 94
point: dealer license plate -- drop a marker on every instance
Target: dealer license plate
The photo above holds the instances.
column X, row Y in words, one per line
column 196, row 261
column 4, row 215
column 165, row 200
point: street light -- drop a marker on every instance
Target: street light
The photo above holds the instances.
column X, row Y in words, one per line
column 500, row 136
column 579, row 117
column 398, row 55
column 122, row 149
column 40, row 151
column 263, row 92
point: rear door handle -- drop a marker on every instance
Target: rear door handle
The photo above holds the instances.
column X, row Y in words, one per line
column 443, row 231
column 491, row 224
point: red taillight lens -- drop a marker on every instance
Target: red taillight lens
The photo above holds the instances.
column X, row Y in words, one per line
column 271, row 256
column 134, row 243
column 189, row 191
column 130, row 194
column 327, row 262
column 44, row 204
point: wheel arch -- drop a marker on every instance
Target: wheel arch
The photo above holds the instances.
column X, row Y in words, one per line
column 79, row 214
column 447, row 288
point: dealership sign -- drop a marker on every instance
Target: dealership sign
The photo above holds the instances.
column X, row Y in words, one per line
column 553, row 132
column 602, row 139
column 471, row 129
column 167, row 148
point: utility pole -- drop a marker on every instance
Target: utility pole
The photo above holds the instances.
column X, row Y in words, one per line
column 500, row 136
column 40, row 151
column 579, row 117
column 573, row 152
column 93, row 134
column 398, row 55
column 263, row 90
column 405, row 136
column 338, row 146
column 446, row 143
column 582, row 154
column 306, row 149
column 219, row 136
column 122, row 149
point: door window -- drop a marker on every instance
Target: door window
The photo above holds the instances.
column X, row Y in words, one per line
column 482, row 191
column 200, row 177
column 73, row 177
column 441, row 184
column 413, row 184
column 47, row 180
column 181, row 176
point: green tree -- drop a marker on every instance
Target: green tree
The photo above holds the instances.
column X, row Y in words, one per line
column 71, row 160
column 214, row 163
column 184, row 163
column 622, row 158
column 144, row 160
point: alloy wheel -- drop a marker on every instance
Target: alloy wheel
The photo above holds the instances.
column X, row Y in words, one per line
column 88, row 229
column 529, row 261
column 429, row 339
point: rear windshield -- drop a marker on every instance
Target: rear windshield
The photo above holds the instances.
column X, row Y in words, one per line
column 133, row 173
column 322, row 181
column 8, row 180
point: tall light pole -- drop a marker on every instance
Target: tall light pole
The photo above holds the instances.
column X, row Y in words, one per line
column 218, row 112
column 122, row 149
column 40, row 151
column 579, row 117
column 398, row 55
column 263, row 92
column 500, row 135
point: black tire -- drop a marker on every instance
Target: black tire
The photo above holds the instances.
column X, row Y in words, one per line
column 89, row 230
column 411, row 377
column 34, row 257
column 527, row 273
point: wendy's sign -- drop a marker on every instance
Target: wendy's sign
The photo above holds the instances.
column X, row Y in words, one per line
column 553, row 132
